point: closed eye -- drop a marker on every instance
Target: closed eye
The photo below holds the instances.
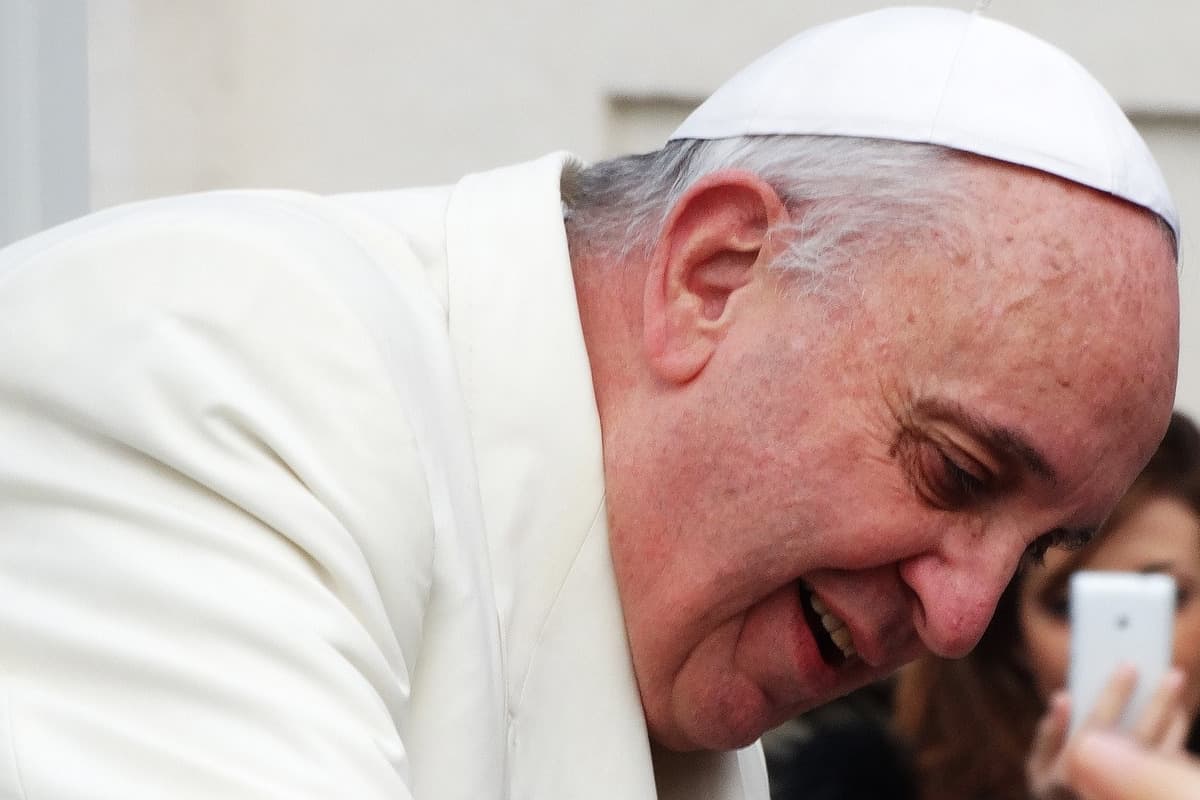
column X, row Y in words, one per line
column 958, row 486
column 956, row 460
column 944, row 476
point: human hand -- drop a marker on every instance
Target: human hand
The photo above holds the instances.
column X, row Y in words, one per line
column 1102, row 766
column 1161, row 727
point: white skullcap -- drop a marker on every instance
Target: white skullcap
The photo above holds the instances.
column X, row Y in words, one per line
column 945, row 77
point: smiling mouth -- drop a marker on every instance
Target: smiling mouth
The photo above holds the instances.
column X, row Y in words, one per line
column 831, row 634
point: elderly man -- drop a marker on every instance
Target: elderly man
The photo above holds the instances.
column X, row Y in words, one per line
column 569, row 481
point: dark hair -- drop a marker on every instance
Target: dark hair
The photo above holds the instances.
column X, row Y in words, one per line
column 1173, row 471
column 943, row 706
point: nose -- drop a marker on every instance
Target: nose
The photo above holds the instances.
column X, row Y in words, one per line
column 956, row 589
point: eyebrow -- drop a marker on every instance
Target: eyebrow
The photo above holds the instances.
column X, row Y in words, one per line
column 1008, row 442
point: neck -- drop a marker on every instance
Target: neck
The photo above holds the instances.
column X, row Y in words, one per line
column 610, row 312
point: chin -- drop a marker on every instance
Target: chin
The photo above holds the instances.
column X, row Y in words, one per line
column 708, row 725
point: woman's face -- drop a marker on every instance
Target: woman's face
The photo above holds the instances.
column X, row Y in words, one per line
column 1160, row 535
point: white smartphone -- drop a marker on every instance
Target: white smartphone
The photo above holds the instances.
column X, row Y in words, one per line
column 1118, row 618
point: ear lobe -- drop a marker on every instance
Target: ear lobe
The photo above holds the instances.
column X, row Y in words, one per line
column 713, row 246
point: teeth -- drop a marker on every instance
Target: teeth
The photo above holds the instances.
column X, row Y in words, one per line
column 834, row 627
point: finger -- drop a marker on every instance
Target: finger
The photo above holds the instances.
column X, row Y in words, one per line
column 1160, row 710
column 1106, row 767
column 1113, row 698
column 1177, row 732
column 1051, row 733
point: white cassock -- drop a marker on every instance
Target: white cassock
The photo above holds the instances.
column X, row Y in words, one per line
column 302, row 497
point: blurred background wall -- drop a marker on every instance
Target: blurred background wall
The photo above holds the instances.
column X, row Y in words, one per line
column 186, row 95
column 44, row 152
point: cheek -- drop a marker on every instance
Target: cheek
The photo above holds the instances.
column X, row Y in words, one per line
column 1187, row 654
column 1047, row 648
column 861, row 513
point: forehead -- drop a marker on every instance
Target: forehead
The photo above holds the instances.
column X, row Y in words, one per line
column 1161, row 529
column 1026, row 248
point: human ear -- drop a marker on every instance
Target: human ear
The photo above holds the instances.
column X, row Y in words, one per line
column 714, row 244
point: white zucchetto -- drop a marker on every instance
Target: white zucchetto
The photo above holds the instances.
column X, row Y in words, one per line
column 945, row 77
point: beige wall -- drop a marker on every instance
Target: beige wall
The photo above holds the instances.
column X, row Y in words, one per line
column 198, row 94
column 1175, row 141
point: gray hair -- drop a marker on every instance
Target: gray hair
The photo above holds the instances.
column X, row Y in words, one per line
column 844, row 194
